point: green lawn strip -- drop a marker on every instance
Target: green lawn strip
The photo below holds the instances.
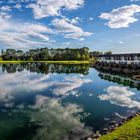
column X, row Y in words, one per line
column 53, row 62
column 129, row 131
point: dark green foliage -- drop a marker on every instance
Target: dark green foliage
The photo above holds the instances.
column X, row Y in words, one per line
column 44, row 54
column 108, row 53
column 95, row 54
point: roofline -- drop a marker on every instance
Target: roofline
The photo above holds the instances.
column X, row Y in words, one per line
column 126, row 54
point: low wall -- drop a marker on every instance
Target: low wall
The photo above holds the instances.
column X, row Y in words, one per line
column 121, row 68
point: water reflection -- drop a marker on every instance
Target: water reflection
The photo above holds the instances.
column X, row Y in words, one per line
column 120, row 96
column 39, row 98
column 60, row 102
column 58, row 122
column 45, row 68
column 125, row 80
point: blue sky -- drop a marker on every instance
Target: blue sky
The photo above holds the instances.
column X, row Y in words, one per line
column 100, row 25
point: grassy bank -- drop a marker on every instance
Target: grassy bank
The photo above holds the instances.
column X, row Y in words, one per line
column 51, row 62
column 128, row 131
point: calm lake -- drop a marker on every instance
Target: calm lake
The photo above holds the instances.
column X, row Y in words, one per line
column 41, row 101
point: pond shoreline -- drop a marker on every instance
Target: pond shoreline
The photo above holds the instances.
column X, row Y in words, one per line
column 50, row 62
column 114, row 126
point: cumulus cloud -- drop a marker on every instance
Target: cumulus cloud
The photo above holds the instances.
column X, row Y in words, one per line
column 45, row 8
column 120, row 96
column 75, row 20
column 22, row 35
column 4, row 20
column 68, row 29
column 28, row 35
column 18, row 6
column 5, row 8
column 121, row 17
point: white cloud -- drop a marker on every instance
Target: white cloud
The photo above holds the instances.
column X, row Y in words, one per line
column 22, row 35
column 18, row 6
column 45, row 8
column 35, row 30
column 91, row 18
column 20, row 1
column 134, row 0
column 66, row 43
column 68, row 29
column 120, row 96
column 28, row 35
column 121, row 42
column 4, row 20
column 81, row 39
column 75, row 20
column 121, row 17
column 5, row 8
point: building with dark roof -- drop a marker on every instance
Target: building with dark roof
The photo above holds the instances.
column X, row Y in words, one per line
column 131, row 58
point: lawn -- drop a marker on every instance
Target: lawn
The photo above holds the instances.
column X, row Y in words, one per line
column 53, row 62
column 128, row 131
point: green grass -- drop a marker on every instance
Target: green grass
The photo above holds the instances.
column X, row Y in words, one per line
column 52, row 62
column 128, row 131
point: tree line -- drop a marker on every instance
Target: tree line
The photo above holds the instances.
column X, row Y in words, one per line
column 43, row 54
column 96, row 54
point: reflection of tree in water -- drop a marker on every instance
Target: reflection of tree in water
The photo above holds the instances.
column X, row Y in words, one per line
column 15, row 124
column 45, row 68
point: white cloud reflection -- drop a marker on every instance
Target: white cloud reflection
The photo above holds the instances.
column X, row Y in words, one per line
column 120, row 96
column 25, row 82
column 69, row 84
column 57, row 121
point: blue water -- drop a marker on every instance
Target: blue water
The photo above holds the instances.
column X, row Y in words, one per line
column 60, row 102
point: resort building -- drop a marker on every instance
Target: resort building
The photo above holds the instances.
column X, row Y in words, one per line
column 133, row 58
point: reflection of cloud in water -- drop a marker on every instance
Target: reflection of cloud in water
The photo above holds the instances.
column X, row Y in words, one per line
column 15, row 83
column 69, row 84
column 19, row 82
column 120, row 96
column 118, row 115
column 57, row 121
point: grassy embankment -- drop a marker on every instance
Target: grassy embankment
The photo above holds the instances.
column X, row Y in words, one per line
column 129, row 131
column 52, row 62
